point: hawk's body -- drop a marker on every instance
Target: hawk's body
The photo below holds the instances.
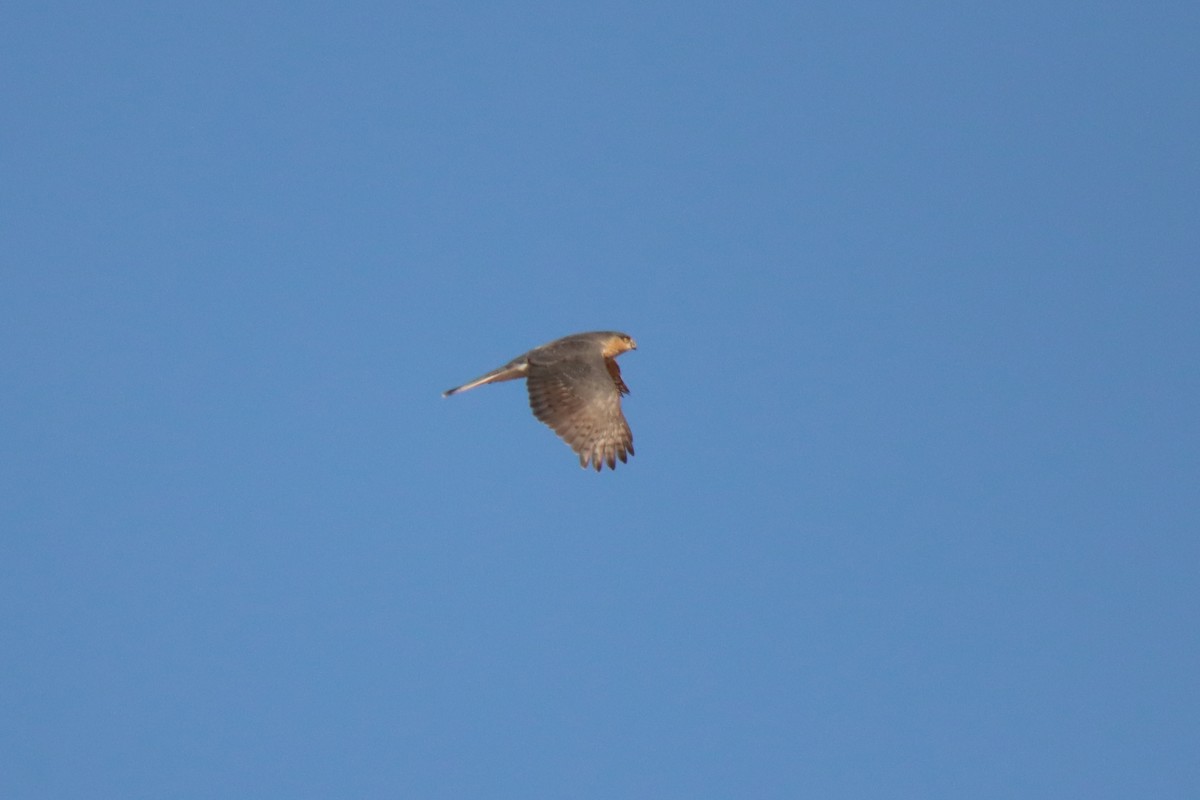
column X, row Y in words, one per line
column 575, row 387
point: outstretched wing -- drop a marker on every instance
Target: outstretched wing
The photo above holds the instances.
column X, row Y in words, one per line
column 580, row 400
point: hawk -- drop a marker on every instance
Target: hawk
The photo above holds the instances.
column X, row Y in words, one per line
column 575, row 387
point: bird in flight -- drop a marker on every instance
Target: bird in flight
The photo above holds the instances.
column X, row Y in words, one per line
column 575, row 387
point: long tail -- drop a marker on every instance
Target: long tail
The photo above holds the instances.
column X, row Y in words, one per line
column 509, row 372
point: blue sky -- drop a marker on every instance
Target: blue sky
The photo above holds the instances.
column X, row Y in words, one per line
column 914, row 507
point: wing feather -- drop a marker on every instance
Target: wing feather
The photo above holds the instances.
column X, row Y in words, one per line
column 580, row 399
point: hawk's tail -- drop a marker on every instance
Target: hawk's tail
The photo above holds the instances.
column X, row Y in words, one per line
column 509, row 372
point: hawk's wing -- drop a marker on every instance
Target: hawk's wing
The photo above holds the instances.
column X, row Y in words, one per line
column 615, row 373
column 579, row 399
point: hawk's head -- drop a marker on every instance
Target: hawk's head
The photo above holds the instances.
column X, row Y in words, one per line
column 618, row 343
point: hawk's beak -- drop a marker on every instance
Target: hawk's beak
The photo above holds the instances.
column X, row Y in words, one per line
column 632, row 344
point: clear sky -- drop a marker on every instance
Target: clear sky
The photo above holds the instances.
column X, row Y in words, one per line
column 914, row 511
